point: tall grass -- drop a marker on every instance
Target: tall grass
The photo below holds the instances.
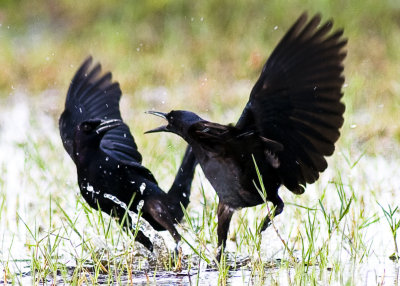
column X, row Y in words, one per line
column 327, row 234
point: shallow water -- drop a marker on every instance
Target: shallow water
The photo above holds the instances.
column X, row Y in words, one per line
column 365, row 274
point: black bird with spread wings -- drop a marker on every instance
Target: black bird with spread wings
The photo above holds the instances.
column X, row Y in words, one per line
column 290, row 123
column 110, row 174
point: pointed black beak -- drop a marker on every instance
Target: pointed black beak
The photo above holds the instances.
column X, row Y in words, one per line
column 108, row 125
column 158, row 129
column 163, row 128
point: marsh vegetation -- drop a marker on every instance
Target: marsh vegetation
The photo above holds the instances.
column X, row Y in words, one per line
column 203, row 57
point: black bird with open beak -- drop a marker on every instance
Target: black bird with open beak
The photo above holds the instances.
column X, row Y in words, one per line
column 288, row 126
column 110, row 174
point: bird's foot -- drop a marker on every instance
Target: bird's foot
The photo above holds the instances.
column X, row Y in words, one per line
column 223, row 260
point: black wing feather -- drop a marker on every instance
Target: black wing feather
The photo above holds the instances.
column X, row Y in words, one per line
column 92, row 96
column 296, row 100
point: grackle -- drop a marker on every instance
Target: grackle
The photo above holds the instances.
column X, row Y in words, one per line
column 110, row 174
column 289, row 124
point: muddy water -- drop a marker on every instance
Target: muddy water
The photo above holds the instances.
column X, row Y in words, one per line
column 366, row 274
column 193, row 277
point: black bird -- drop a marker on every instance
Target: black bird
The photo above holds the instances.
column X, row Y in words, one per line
column 110, row 174
column 289, row 124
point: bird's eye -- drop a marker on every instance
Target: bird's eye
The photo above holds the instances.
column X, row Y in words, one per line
column 86, row 127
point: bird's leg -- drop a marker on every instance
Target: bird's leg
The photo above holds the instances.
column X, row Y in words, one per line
column 140, row 237
column 278, row 204
column 224, row 218
column 127, row 225
column 159, row 212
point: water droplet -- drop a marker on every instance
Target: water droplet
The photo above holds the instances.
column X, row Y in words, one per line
column 140, row 205
column 107, row 158
column 142, row 187
column 89, row 188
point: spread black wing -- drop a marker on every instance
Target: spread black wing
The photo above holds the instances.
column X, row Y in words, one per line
column 94, row 96
column 296, row 100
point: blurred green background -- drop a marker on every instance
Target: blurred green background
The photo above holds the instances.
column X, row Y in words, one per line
column 197, row 55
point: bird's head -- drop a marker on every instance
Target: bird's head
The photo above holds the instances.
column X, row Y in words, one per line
column 179, row 122
column 89, row 133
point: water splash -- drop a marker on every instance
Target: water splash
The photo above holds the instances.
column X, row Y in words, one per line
column 143, row 226
column 142, row 187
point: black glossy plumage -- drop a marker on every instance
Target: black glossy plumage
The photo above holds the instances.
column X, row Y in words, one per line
column 110, row 173
column 289, row 124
